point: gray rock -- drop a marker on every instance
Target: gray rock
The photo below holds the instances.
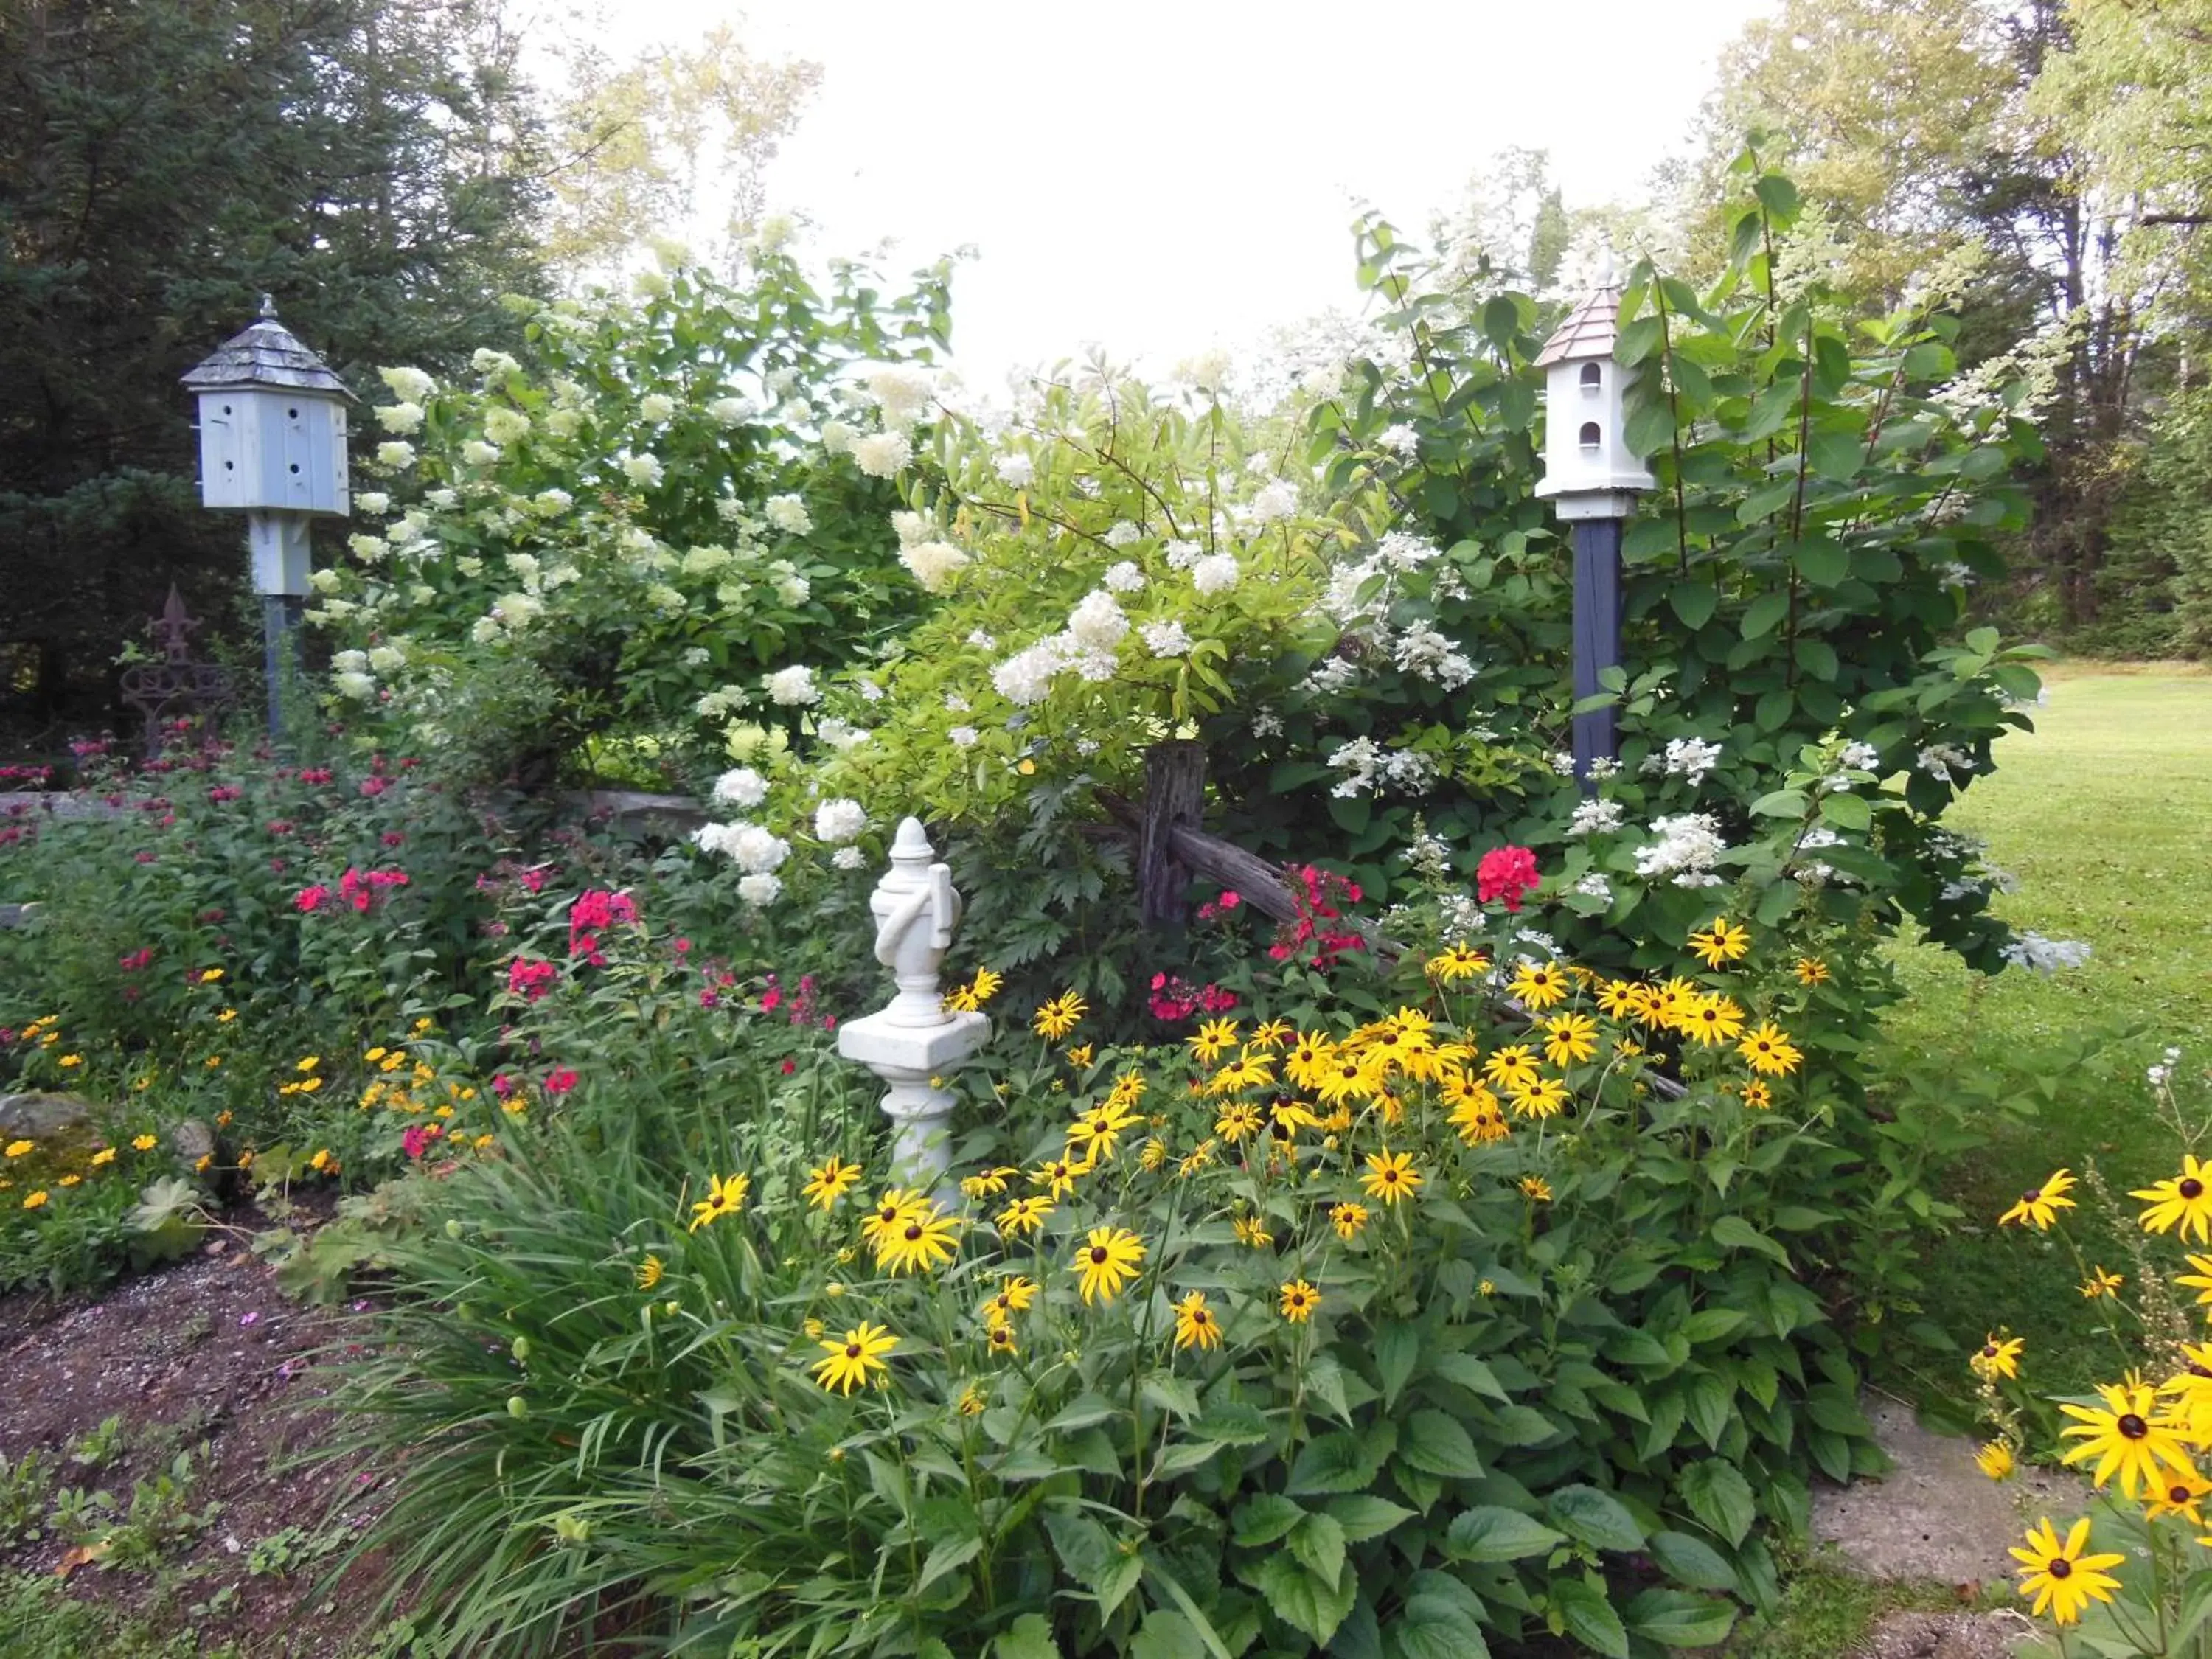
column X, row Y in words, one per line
column 35, row 1115
column 191, row 1141
column 18, row 915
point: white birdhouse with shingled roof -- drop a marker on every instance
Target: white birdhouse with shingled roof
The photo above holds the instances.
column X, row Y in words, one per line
column 1588, row 470
column 272, row 424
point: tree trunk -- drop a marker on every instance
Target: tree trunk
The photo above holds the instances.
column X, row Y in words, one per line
column 1175, row 798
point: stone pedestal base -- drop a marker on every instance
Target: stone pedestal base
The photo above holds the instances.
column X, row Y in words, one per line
column 907, row 1057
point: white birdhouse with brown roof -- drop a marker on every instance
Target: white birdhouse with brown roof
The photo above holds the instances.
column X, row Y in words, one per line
column 1588, row 470
column 272, row 424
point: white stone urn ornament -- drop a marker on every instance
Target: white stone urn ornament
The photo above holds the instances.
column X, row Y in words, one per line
column 915, row 1039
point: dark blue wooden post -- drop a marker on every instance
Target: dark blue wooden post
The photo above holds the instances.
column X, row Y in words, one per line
column 1597, row 638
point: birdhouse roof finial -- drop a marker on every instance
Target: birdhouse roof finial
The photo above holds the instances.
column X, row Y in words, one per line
column 267, row 354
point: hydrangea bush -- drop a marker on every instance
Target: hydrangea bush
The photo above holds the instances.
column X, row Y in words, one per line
column 670, row 517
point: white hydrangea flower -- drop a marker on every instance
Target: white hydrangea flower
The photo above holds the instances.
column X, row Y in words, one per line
column 395, row 455
column 1690, row 757
column 368, row 549
column 794, row 589
column 351, row 662
column 1266, row 724
column 735, row 412
column 881, row 454
column 982, row 641
column 503, row 425
column 552, row 502
column 468, row 565
column 372, row 501
column 902, row 395
column 1217, row 572
column 412, row 384
column 1859, row 757
column 788, row 513
column 1276, row 501
column 1594, row 817
column 838, row 438
column 657, row 407
column 644, row 471
column 1025, row 677
column 1332, row 675
column 839, row 820
column 1121, row 533
column 383, row 659
column 1424, row 651
column 1401, row 440
column 963, row 736
column 792, row 686
column 696, row 656
column 1595, row 885
column 1182, row 554
column 1684, row 847
column 1166, row 639
column 444, row 500
column 760, row 891
column 757, row 850
column 1123, row 578
column 325, row 581
column 741, row 787
column 1098, row 623
column 1322, row 381
column 650, row 284
column 1940, row 760
column 849, row 858
column 564, row 422
column 476, row 452
column 357, row 686
column 869, row 692
column 488, row 362
column 485, row 629
column 933, row 565
column 402, row 418
column 956, row 704
column 1015, row 471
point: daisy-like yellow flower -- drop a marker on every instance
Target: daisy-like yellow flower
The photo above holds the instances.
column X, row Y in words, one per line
column 1196, row 1159
column 856, row 1358
column 723, row 1198
column 1348, row 1218
column 2179, row 1497
column 1308, row 1058
column 1538, row 985
column 2186, row 1201
column 1766, row 1048
column 21, row 1148
column 209, row 976
column 1569, row 1038
column 105, row 1155
column 1616, row 998
column 1511, row 1068
column 2127, row 1438
column 323, row 1163
column 1545, row 1098
column 1285, row 1117
column 37, row 1200
column 649, row 1272
column 141, row 1144
column 2191, row 1390
column 1476, row 1117
column 1995, row 1358
column 829, row 1181
column 1079, row 1058
column 1758, row 1095
column 2101, row 1283
column 972, row 1402
column 1195, row 1325
column 1107, row 1259
column 2059, row 1577
column 1712, row 1020
column 894, row 1207
column 2201, row 1280
column 1000, row 1340
column 1212, row 1039
column 1093, row 1136
column 987, row 1183
column 1014, row 1296
column 1349, row 1076
column 1252, row 1230
column 1537, row 1189
column 1995, row 1460
column 1456, row 962
column 1721, row 944
column 1271, row 1035
column 970, row 998
column 1024, row 1216
column 309, row 1063
column 67, row 1060
column 1058, row 1175
column 1300, row 1299
column 1247, row 1071
column 1153, row 1155
column 1390, row 1176
column 927, row 1241
column 1062, row 1014
column 1811, row 970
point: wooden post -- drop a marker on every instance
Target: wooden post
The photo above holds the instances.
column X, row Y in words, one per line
column 1597, row 640
column 1175, row 798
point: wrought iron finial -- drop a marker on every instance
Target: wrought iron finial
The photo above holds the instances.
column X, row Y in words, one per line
column 174, row 628
column 269, row 307
column 176, row 684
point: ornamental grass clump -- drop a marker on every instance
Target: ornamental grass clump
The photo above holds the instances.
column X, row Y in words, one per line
column 1400, row 1317
column 2133, row 1576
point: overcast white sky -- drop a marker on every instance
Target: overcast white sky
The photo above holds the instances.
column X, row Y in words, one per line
column 1164, row 175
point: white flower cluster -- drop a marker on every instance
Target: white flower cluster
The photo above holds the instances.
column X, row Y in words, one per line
column 839, row 820
column 1276, row 499
column 1014, row 471
column 1123, row 578
column 1594, row 885
column 1428, row 854
column 1025, row 677
column 1369, row 767
column 1166, row 639
column 1594, row 817
column 1684, row 847
column 1098, row 623
column 2162, row 1075
column 792, row 687
column 400, row 418
column 1426, row 653
column 412, row 384
column 1690, row 758
column 1217, row 572
column 902, row 394
column 2045, row 956
column 788, row 513
column 742, row 787
column 644, row 471
column 1939, row 761
column 1401, row 440
column 879, row 454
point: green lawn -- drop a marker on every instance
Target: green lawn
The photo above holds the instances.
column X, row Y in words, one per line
column 2104, row 814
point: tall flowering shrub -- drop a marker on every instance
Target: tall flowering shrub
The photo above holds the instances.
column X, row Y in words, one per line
column 671, row 515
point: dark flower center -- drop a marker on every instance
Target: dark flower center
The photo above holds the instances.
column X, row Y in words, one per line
column 2031, row 1195
column 852, row 1350
column 2177, row 1494
column 2060, row 1567
column 2191, row 1188
column 2132, row 1426
column 1991, row 1351
column 913, row 1231
column 1100, row 1254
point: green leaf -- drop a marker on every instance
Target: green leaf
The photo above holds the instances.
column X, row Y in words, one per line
column 1522, row 1425
column 1676, row 1620
column 1486, row 1532
column 1597, row 1518
column 1834, row 1409
column 1764, row 614
column 1735, row 1233
column 1300, row 1599
column 1694, row 602
column 1030, row 1636
column 1708, row 1401
column 1231, row 1423
column 1845, row 810
column 1437, row 1444
column 1335, row 1462
column 1778, row 195
column 1719, row 1496
column 1318, row 1541
column 1712, row 1324
column 1166, row 1634
column 1364, row 1515
column 1432, row 1626
column 1470, row 1374
column 1692, row 1560
column 1397, row 1350
column 1836, row 455
column 1781, row 804
column 1588, row 1616
column 1264, row 1519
